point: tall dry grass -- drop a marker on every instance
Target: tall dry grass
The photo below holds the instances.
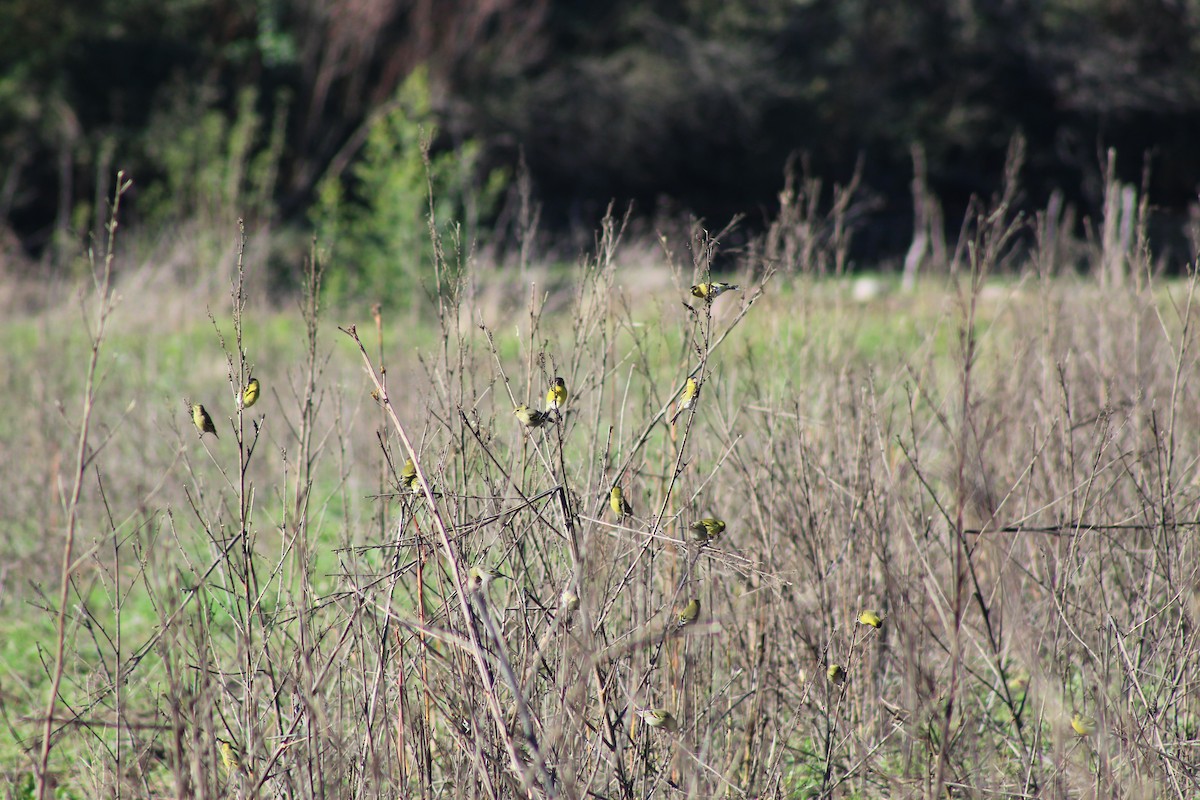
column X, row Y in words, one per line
column 1008, row 474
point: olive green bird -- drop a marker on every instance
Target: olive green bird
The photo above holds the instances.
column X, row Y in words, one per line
column 1082, row 725
column 230, row 756
column 202, row 420
column 618, row 503
column 689, row 614
column 659, row 718
column 691, row 391
column 556, row 396
column 568, row 601
column 836, row 674
column 710, row 291
column 530, row 417
column 706, row 530
column 250, row 393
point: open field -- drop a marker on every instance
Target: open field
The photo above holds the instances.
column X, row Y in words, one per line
column 1006, row 468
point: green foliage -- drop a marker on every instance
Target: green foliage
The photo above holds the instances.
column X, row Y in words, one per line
column 379, row 226
column 805, row 769
column 212, row 167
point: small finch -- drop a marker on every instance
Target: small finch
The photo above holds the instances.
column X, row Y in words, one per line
column 658, row 718
column 408, row 477
column 568, row 601
column 870, row 618
column 230, row 757
column 691, row 391
column 556, row 396
column 1084, row 726
column 689, row 614
column 480, row 576
column 530, row 417
column 203, row 421
column 705, row 530
column 250, row 393
column 616, row 499
column 710, row 291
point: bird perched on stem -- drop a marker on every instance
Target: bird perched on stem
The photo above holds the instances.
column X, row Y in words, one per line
column 568, row 601
column 707, row 529
column 480, row 575
column 689, row 614
column 836, row 674
column 620, row 506
column 659, row 718
column 556, row 396
column 691, row 391
column 202, row 420
column 530, row 417
column 408, row 477
column 710, row 291
column 250, row 393
column 230, row 756
column 869, row 617
column 1083, row 726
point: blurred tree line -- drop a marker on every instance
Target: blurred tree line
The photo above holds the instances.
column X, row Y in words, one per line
column 267, row 108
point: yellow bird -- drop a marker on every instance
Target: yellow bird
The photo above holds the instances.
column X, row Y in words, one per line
column 1019, row 682
column 568, row 601
column 869, row 617
column 250, row 393
column 408, row 477
column 620, row 506
column 1084, row 726
column 691, row 391
column 230, row 757
column 710, row 291
column 658, row 718
column 480, row 576
column 203, row 421
column 530, row 417
column 836, row 674
column 690, row 613
column 556, row 397
column 705, row 530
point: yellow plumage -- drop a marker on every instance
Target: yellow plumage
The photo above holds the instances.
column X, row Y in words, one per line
column 705, row 530
column 230, row 757
column 408, row 477
column 691, row 391
column 529, row 417
column 556, row 397
column 568, row 601
column 1084, row 726
column 690, row 613
column 250, row 393
column 618, row 503
column 710, row 291
column 479, row 576
column 659, row 718
column 870, row 618
column 836, row 674
column 203, row 421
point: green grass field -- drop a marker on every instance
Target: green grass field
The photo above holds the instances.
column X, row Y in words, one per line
column 1004, row 466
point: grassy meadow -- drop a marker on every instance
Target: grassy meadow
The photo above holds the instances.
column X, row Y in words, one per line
column 1002, row 462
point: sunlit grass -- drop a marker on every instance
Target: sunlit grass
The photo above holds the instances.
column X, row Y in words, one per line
column 828, row 434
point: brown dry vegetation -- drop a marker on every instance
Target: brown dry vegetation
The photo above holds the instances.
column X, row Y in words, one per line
column 1008, row 471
